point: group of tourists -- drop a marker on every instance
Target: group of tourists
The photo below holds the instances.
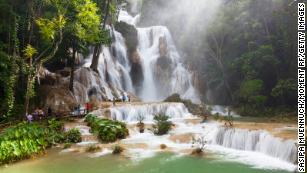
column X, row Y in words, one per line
column 125, row 97
column 38, row 114
column 81, row 110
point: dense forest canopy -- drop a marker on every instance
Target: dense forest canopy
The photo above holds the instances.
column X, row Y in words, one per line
column 34, row 33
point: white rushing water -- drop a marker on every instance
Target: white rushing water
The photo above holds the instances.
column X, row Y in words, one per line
column 115, row 67
column 254, row 147
column 130, row 113
column 257, row 148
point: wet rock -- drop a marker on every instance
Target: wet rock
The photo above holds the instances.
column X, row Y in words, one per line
column 163, row 50
column 58, row 98
column 163, row 146
column 136, row 72
column 130, row 34
column 195, row 109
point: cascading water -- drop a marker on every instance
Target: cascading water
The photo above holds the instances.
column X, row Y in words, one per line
column 259, row 141
column 130, row 113
column 164, row 74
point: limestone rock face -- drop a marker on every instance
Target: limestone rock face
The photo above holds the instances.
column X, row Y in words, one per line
column 136, row 72
column 130, row 33
column 163, row 47
column 164, row 67
column 58, row 98
column 88, row 86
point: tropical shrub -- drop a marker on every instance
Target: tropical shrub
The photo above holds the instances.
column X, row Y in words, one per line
column 24, row 140
column 117, row 149
column 73, row 136
column 67, row 145
column 200, row 143
column 107, row 130
column 140, row 123
column 55, row 124
column 162, row 125
column 93, row 148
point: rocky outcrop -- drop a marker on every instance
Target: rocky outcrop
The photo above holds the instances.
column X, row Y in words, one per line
column 163, row 47
column 88, row 86
column 58, row 98
column 195, row 109
column 163, row 68
column 136, row 72
column 129, row 32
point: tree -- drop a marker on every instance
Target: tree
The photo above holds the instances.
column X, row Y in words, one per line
column 107, row 10
column 286, row 91
column 250, row 92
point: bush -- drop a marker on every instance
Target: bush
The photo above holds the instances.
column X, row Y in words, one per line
column 195, row 109
column 140, row 123
column 55, row 124
column 200, row 143
column 117, row 149
column 24, row 140
column 73, row 136
column 93, row 148
column 162, row 125
column 107, row 130
column 67, row 145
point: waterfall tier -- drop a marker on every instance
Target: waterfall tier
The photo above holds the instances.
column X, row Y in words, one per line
column 130, row 113
column 258, row 141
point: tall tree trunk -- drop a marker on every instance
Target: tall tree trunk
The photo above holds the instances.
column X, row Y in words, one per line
column 28, row 88
column 95, row 58
column 72, row 75
column 97, row 49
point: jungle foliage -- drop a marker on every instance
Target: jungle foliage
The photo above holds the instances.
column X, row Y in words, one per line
column 24, row 140
column 107, row 130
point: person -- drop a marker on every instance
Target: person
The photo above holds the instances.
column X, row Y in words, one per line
column 29, row 118
column 35, row 114
column 41, row 113
column 49, row 112
column 123, row 98
column 78, row 110
column 114, row 101
column 128, row 98
column 87, row 107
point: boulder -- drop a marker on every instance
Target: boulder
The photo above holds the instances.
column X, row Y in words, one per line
column 163, row 50
column 58, row 98
column 195, row 109
column 130, row 34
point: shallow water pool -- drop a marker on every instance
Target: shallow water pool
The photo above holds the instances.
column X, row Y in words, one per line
column 56, row 162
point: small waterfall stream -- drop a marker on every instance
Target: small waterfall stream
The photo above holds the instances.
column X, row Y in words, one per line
column 258, row 141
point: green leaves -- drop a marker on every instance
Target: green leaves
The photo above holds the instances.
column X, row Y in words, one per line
column 107, row 130
column 87, row 23
column 73, row 136
column 162, row 125
column 48, row 28
column 251, row 92
column 29, row 51
column 23, row 140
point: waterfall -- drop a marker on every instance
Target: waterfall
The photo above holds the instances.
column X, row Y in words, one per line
column 164, row 72
column 258, row 141
column 130, row 113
